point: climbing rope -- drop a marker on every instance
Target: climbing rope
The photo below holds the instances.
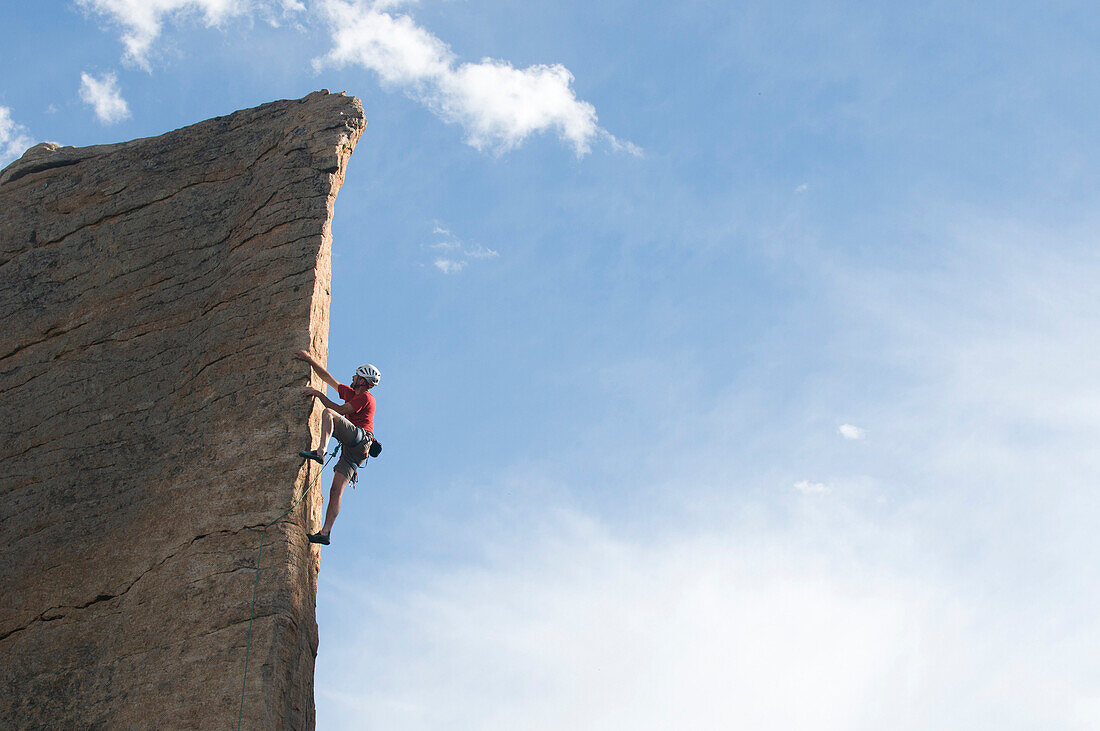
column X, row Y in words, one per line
column 256, row 583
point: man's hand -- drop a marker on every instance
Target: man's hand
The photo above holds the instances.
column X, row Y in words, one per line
column 305, row 355
column 325, row 400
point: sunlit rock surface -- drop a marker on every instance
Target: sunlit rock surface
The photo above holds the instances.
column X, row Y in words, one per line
column 151, row 293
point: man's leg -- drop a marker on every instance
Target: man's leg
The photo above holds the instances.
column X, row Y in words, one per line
column 328, row 424
column 339, row 482
column 326, row 431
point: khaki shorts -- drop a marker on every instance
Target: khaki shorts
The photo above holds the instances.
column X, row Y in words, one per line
column 354, row 443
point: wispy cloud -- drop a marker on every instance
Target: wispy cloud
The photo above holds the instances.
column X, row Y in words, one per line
column 989, row 465
column 105, row 97
column 802, row 188
column 454, row 255
column 564, row 622
column 850, row 431
column 623, row 145
column 498, row 105
column 445, row 246
column 449, row 266
column 14, row 139
column 480, row 252
column 811, row 488
column 143, row 21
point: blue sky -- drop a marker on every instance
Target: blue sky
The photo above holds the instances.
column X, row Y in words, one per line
column 738, row 361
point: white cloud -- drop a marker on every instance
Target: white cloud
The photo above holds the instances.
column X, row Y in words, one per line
column 498, row 105
column 457, row 254
column 397, row 49
column 275, row 15
column 105, row 97
column 143, row 21
column 811, row 488
column 802, row 188
column 559, row 624
column 966, row 600
column 14, row 139
column 569, row 627
column 623, row 145
column 449, row 266
column 850, row 431
column 481, row 252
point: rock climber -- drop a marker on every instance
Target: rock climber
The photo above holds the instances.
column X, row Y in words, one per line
column 352, row 423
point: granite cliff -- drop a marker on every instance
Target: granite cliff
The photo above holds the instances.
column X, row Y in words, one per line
column 151, row 293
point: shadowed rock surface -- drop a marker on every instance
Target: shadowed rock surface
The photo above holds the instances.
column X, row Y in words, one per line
column 151, row 293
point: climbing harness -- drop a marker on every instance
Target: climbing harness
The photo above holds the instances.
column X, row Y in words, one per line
column 373, row 450
column 256, row 583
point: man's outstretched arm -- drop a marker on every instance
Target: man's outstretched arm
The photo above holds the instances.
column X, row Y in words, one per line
column 325, row 375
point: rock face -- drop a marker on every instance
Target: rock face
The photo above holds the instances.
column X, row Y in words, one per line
column 151, row 294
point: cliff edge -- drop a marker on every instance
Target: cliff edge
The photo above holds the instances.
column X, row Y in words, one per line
column 151, row 293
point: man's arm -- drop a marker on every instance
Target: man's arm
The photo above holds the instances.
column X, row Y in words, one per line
column 325, row 375
column 342, row 409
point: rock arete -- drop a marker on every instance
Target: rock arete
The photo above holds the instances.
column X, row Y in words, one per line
column 151, row 293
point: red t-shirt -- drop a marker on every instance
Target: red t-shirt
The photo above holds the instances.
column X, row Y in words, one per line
column 362, row 404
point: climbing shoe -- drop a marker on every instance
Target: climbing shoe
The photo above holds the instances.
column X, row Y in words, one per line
column 312, row 454
column 319, row 538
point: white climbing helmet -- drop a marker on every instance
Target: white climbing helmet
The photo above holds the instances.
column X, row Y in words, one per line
column 369, row 372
